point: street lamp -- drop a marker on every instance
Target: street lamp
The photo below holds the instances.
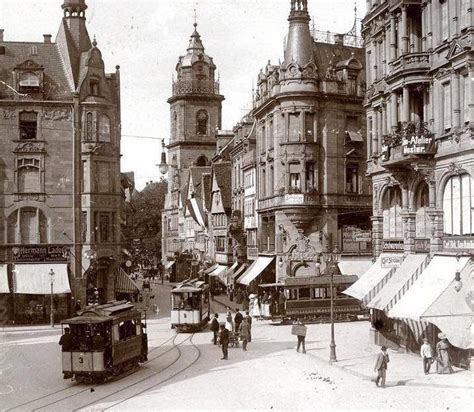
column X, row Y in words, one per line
column 163, row 166
column 51, row 315
column 332, row 260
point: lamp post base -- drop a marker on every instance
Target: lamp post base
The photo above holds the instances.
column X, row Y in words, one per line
column 332, row 353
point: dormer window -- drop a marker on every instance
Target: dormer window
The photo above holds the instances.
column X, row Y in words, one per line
column 94, row 87
column 29, row 80
column 28, row 125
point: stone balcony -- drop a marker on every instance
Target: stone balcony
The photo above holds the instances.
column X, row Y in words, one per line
column 417, row 63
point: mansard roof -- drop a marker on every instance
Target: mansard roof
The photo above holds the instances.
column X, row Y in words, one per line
column 326, row 54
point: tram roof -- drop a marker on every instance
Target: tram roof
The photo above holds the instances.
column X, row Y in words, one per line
column 102, row 313
column 190, row 286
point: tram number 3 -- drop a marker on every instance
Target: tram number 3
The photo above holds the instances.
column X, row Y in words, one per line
column 81, row 359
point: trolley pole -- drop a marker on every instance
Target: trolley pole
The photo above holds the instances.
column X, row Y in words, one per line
column 51, row 314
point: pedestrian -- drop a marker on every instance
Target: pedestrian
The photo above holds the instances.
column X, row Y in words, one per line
column 224, row 337
column 245, row 300
column 426, row 353
column 443, row 360
column 300, row 331
column 229, row 324
column 215, row 327
column 281, row 302
column 231, row 293
column 237, row 319
column 249, row 321
column 381, row 365
column 244, row 333
column 66, row 341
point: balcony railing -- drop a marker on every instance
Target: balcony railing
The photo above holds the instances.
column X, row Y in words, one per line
column 182, row 87
column 410, row 61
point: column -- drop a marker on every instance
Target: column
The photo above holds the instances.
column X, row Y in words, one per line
column 429, row 26
column 393, row 39
column 376, row 61
column 470, row 90
column 453, row 18
column 406, row 104
column 375, row 146
column 394, row 114
column 404, row 30
column 423, row 27
column 384, row 57
column 384, row 120
column 388, row 115
column 379, row 128
column 456, row 101
column 431, row 107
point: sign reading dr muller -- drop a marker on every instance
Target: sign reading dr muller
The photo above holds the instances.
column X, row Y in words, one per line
column 47, row 253
column 418, row 145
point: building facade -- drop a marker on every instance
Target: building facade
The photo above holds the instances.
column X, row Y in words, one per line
column 60, row 189
column 420, row 110
column 310, row 156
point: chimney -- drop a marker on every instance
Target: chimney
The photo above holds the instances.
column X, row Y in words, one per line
column 339, row 39
column 47, row 38
column 1, row 34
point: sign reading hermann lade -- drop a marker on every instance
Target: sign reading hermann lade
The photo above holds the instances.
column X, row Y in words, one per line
column 46, row 253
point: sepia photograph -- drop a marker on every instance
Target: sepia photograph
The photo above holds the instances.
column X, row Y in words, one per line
column 232, row 205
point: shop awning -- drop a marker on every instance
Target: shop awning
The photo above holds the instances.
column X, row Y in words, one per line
column 355, row 136
column 123, row 283
column 220, row 272
column 355, row 265
column 403, row 278
column 239, row 272
column 230, row 272
column 372, row 281
column 211, row 269
column 434, row 299
column 255, row 269
column 4, row 279
column 34, row 279
column 169, row 264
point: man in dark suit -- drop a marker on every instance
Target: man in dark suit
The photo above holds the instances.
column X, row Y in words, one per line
column 238, row 318
column 249, row 321
column 224, row 339
column 381, row 366
column 215, row 327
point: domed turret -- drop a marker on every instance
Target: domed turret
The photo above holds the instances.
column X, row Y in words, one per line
column 74, row 8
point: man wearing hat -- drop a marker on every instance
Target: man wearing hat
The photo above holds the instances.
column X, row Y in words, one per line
column 381, row 366
column 426, row 353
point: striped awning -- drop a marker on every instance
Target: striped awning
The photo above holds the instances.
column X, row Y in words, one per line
column 123, row 283
column 34, row 278
column 169, row 264
column 4, row 279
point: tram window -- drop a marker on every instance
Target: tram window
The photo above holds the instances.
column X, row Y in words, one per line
column 320, row 293
column 304, row 293
column 127, row 329
column 178, row 302
column 292, row 294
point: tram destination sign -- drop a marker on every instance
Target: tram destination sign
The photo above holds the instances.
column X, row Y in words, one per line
column 40, row 253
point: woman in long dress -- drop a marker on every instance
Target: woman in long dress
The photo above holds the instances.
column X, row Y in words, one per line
column 229, row 323
column 443, row 361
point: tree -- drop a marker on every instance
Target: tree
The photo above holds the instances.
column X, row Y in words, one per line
column 143, row 232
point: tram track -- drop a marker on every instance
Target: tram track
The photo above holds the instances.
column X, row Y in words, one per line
column 93, row 387
column 162, row 381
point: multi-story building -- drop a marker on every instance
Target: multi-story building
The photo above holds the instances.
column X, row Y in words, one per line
column 195, row 115
column 310, row 152
column 420, row 110
column 60, row 164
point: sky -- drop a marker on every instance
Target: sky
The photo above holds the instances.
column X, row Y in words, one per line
column 146, row 37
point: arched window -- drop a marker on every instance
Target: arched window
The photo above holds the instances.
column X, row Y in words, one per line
column 391, row 211
column 29, row 79
column 201, row 161
column 458, row 204
column 104, row 128
column 28, row 176
column 423, row 223
column 201, row 122
column 89, row 127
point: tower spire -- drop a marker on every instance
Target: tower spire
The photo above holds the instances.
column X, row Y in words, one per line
column 299, row 45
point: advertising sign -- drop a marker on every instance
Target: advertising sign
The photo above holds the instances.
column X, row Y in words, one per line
column 462, row 243
column 418, row 145
column 391, row 261
column 43, row 253
column 392, row 245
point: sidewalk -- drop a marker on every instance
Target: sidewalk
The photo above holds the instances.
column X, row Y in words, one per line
column 226, row 302
column 356, row 355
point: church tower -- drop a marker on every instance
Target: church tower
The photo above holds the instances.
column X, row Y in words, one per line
column 195, row 117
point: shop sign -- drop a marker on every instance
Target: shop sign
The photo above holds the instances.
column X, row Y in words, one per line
column 459, row 243
column 418, row 145
column 294, row 199
column 392, row 245
column 362, row 236
column 422, row 245
column 391, row 261
column 47, row 253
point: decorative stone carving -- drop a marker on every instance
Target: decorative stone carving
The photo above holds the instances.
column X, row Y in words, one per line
column 8, row 114
column 29, row 147
column 57, row 114
column 454, row 169
column 302, row 249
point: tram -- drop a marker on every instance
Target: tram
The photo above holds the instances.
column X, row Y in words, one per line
column 106, row 340
column 309, row 298
column 190, row 306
